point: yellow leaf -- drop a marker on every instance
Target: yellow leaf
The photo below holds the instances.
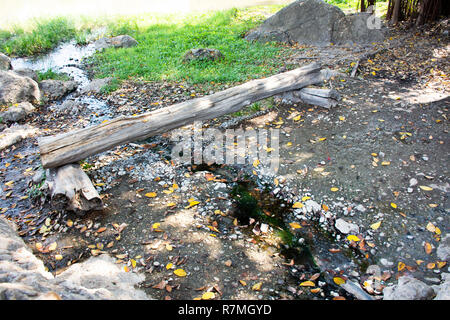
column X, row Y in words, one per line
column 306, row 198
column 441, row 264
column 53, row 246
column 352, row 237
column 385, row 163
column 257, row 286
column 133, row 263
column 191, row 204
column 171, row 204
column 428, row 248
column 297, row 118
column 243, row 282
column 150, row 194
column 307, row 284
column 376, row 225
column 393, row 205
column 180, row 273
column 334, row 189
column 401, row 266
column 58, row 257
column 156, row 225
column 125, row 268
column 208, row 296
column 341, row 118
column 169, row 266
column 425, row 188
column 338, row 280
column 431, row 227
column 315, row 290
column 256, row 163
column 431, row 265
column 433, row 205
column 297, row 205
column 295, row 225
column 69, row 223
column 169, row 247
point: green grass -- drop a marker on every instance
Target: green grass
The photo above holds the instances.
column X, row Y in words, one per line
column 50, row 74
column 45, row 35
column 162, row 46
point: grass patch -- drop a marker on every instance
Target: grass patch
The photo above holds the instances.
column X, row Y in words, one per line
column 51, row 75
column 45, row 35
column 162, row 46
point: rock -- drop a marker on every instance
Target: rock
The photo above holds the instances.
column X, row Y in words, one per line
column 443, row 290
column 5, row 62
column 56, row 89
column 312, row 207
column 443, row 251
column 353, row 29
column 15, row 88
column 315, row 22
column 26, row 72
column 408, row 288
column 202, row 54
column 95, row 85
column 356, row 290
column 23, row 276
column 14, row 134
column 346, row 227
column 17, row 112
column 122, row 41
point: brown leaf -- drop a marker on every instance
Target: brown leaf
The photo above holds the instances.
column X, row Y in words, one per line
column 160, row 285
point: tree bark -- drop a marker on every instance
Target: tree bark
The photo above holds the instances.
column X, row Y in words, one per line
column 76, row 145
column 71, row 189
column 396, row 12
column 325, row 98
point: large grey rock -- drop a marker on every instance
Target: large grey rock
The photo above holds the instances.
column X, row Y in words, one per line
column 56, row 89
column 315, row 22
column 353, row 28
column 17, row 112
column 202, row 54
column 14, row 134
column 443, row 290
column 23, row 276
column 26, row 72
column 15, row 88
column 443, row 251
column 122, row 41
column 5, row 62
column 408, row 288
column 96, row 85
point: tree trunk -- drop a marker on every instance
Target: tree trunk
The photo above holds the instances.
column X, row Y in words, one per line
column 71, row 189
column 396, row 12
column 73, row 146
column 325, row 98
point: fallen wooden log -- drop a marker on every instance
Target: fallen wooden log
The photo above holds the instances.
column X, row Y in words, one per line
column 326, row 98
column 76, row 145
column 71, row 189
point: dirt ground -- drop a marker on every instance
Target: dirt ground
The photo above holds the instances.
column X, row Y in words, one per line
column 378, row 160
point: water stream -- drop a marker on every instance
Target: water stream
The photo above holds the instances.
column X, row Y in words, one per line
column 68, row 58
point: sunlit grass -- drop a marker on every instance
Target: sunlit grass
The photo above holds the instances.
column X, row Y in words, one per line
column 162, row 46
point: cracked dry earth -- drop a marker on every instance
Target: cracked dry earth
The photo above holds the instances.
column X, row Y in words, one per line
column 367, row 161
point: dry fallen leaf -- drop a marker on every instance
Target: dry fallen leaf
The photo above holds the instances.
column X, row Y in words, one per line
column 208, row 296
column 180, row 272
column 257, row 286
